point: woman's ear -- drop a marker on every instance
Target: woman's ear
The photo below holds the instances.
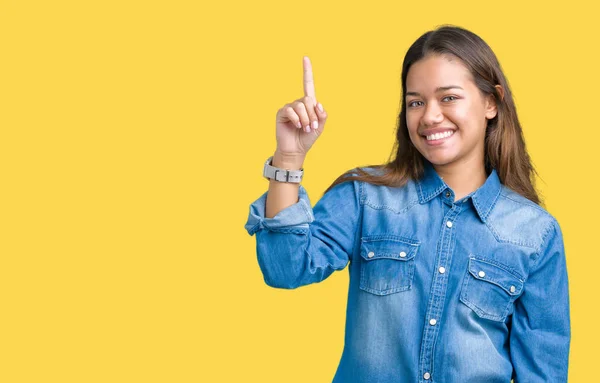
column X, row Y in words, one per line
column 500, row 91
column 491, row 105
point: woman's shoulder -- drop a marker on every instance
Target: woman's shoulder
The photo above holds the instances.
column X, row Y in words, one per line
column 518, row 201
column 384, row 194
column 517, row 219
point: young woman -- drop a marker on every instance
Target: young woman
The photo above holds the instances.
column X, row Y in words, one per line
column 457, row 273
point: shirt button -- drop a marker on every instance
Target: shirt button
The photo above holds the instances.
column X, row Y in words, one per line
column 432, row 322
column 403, row 254
column 371, row 254
column 427, row 375
column 442, row 270
column 482, row 274
column 449, row 224
column 512, row 289
column 447, row 194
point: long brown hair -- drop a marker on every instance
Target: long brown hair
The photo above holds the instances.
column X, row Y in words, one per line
column 505, row 148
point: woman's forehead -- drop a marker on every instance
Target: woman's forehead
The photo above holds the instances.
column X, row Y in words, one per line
column 434, row 71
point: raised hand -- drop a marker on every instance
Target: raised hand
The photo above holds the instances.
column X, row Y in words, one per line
column 301, row 122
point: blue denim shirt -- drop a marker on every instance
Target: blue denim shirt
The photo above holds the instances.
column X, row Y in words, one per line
column 444, row 291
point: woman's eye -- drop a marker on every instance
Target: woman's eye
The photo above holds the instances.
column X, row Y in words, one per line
column 413, row 104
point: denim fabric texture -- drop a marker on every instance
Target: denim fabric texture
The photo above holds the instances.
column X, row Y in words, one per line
column 443, row 291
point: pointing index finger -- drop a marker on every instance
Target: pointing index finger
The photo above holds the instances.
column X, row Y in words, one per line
column 309, row 84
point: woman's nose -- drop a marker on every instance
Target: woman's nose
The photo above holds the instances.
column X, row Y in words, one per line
column 433, row 114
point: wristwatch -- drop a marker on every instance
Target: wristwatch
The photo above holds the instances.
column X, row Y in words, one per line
column 281, row 175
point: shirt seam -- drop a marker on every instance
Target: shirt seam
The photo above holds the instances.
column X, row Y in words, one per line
column 360, row 214
column 544, row 244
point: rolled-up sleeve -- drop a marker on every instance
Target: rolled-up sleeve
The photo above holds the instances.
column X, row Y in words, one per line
column 301, row 245
column 540, row 334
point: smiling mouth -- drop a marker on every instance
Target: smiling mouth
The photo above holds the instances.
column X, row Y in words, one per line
column 439, row 136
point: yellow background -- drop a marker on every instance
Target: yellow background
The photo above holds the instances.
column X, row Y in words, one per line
column 133, row 137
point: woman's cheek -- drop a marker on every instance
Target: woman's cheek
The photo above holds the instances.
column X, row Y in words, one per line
column 458, row 115
column 412, row 122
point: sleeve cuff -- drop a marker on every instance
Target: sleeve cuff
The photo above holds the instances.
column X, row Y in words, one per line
column 296, row 216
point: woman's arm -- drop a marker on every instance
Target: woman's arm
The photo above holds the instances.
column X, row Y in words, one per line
column 283, row 194
column 301, row 245
column 540, row 334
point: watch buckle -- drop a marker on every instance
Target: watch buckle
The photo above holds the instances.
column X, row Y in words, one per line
column 287, row 175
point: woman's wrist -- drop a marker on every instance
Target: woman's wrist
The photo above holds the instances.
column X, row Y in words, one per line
column 288, row 161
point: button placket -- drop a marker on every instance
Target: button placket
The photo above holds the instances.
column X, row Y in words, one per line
column 436, row 302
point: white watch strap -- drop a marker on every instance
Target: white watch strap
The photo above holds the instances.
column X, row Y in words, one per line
column 281, row 175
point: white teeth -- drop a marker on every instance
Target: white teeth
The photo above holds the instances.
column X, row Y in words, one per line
column 438, row 136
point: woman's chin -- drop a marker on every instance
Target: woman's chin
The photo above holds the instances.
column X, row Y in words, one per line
column 440, row 159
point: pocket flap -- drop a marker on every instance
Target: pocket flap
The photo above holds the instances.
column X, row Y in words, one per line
column 499, row 275
column 388, row 247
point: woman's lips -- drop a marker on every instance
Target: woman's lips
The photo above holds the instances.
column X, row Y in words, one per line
column 438, row 142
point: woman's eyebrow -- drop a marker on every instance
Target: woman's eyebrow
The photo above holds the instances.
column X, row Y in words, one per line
column 439, row 89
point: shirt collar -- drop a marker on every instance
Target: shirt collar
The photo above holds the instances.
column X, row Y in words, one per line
column 484, row 198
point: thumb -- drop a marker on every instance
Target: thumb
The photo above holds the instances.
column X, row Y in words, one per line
column 321, row 113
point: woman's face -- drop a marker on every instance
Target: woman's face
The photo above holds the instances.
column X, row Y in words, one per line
column 442, row 98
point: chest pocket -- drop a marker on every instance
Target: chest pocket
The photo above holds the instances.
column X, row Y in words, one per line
column 387, row 264
column 490, row 288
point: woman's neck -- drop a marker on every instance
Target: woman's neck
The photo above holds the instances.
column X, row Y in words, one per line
column 462, row 178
